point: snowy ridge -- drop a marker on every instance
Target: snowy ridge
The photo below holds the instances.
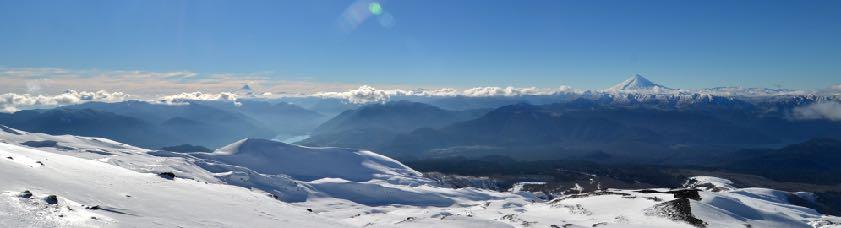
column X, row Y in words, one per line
column 102, row 183
column 305, row 163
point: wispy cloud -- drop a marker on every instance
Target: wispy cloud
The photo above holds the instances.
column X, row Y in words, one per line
column 147, row 84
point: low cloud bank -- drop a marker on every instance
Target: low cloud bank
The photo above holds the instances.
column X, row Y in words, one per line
column 829, row 110
column 182, row 98
column 11, row 102
column 365, row 94
column 834, row 90
column 368, row 94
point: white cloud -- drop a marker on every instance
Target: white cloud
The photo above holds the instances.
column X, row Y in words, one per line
column 364, row 94
column 11, row 102
column 824, row 110
column 507, row 91
column 369, row 94
column 182, row 98
column 834, row 90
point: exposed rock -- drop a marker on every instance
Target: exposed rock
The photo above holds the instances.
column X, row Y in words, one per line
column 677, row 210
column 686, row 193
column 706, row 183
column 51, row 199
column 46, row 143
column 576, row 209
column 100, row 152
column 408, row 219
column 648, row 191
column 167, row 175
column 824, row 223
column 9, row 130
column 25, row 194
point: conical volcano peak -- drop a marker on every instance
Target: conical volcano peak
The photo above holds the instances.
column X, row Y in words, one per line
column 636, row 82
column 640, row 78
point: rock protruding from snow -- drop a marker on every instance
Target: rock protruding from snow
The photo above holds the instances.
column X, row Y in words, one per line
column 678, row 210
column 167, row 175
column 51, row 199
column 25, row 194
column 708, row 183
column 308, row 163
column 637, row 83
column 9, row 130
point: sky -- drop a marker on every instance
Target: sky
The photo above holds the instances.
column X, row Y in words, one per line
column 323, row 45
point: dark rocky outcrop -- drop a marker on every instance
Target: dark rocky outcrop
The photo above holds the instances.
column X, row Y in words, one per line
column 686, row 193
column 25, row 194
column 677, row 210
column 9, row 130
column 45, row 143
column 167, row 175
column 51, row 199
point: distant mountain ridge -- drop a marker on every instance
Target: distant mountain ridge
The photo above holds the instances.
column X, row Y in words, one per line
column 88, row 122
column 815, row 160
column 622, row 128
column 538, row 129
column 380, row 122
column 210, row 124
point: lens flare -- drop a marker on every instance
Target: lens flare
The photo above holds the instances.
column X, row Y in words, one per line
column 375, row 8
column 362, row 10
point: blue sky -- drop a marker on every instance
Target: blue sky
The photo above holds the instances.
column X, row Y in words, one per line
column 584, row 44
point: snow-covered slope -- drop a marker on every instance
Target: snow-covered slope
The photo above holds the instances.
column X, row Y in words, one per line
column 118, row 197
column 350, row 175
column 261, row 183
column 308, row 164
column 637, row 83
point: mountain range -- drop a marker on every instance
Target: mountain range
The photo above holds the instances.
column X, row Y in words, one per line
column 636, row 121
column 368, row 125
column 205, row 123
column 626, row 130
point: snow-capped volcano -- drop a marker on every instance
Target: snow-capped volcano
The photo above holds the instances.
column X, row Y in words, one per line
column 637, row 83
